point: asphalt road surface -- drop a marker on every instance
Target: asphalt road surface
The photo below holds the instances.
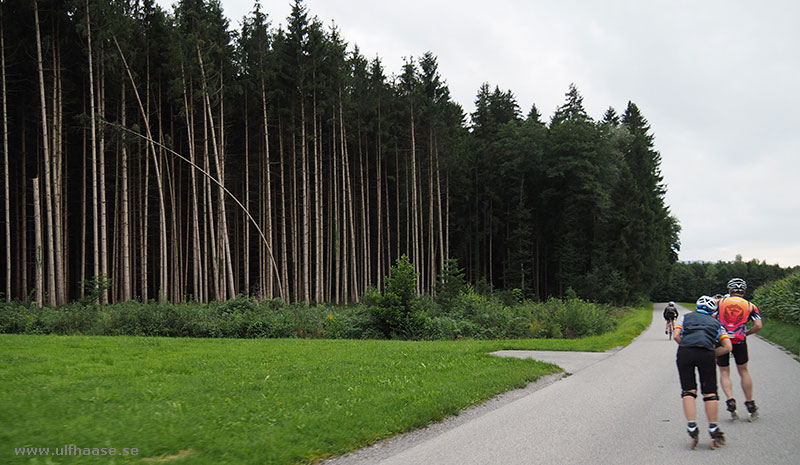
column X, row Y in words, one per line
column 618, row 407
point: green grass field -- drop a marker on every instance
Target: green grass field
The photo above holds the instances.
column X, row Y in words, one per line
column 277, row 401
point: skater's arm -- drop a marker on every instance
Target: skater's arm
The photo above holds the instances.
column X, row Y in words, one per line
column 724, row 348
column 757, row 325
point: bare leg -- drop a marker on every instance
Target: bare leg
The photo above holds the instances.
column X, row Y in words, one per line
column 725, row 381
column 689, row 407
column 747, row 381
column 712, row 408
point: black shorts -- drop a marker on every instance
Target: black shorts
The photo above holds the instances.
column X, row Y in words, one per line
column 739, row 354
column 688, row 359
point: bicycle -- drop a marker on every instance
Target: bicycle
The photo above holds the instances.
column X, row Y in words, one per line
column 671, row 328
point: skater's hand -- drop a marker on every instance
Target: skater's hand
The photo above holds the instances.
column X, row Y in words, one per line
column 725, row 347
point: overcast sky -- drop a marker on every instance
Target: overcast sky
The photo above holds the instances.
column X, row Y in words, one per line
column 717, row 81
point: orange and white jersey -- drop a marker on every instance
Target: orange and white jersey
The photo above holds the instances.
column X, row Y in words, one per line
column 734, row 312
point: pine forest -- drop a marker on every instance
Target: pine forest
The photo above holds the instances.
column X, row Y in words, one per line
column 170, row 157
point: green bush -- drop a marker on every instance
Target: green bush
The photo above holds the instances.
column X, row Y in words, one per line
column 451, row 284
column 392, row 311
column 780, row 300
column 378, row 316
column 571, row 318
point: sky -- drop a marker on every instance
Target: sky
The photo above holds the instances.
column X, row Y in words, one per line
column 716, row 80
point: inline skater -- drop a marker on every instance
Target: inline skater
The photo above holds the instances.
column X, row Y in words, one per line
column 670, row 314
column 697, row 335
column 734, row 313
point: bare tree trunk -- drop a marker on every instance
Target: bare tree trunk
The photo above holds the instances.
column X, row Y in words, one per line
column 269, row 278
column 208, row 208
column 223, row 211
column 144, row 228
column 246, row 187
column 346, row 270
column 326, row 209
column 336, row 233
column 50, row 248
column 387, row 259
column 365, row 256
column 227, row 283
column 37, row 221
column 23, row 224
column 414, row 203
column 319, row 295
column 442, row 251
column 397, row 202
column 145, row 198
column 379, row 201
column 59, row 232
column 162, row 212
column 93, row 151
column 296, row 281
column 284, row 240
column 84, row 148
column 296, row 240
column 431, row 236
column 353, row 293
column 116, row 274
column 5, row 164
column 447, row 218
column 306, row 209
column 101, row 173
column 197, row 268
column 125, row 226
column 175, row 293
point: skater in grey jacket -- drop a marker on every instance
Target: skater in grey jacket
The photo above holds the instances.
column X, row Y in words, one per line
column 698, row 334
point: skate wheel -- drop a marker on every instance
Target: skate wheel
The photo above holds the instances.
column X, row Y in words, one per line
column 694, row 443
column 734, row 415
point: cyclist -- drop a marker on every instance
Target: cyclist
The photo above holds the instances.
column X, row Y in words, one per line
column 670, row 314
column 697, row 334
column 734, row 313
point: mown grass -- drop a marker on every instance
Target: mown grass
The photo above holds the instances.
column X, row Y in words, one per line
column 785, row 335
column 277, row 401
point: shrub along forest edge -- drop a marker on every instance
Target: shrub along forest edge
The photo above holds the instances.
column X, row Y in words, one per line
column 779, row 304
column 456, row 311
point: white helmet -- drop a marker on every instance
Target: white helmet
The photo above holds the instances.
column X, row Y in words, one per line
column 737, row 285
column 707, row 304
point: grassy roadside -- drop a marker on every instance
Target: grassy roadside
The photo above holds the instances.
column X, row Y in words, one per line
column 278, row 401
column 785, row 335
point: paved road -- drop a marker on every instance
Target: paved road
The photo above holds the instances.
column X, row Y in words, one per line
column 621, row 407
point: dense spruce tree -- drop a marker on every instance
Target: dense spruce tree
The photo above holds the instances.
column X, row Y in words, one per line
column 656, row 247
column 574, row 191
column 479, row 216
